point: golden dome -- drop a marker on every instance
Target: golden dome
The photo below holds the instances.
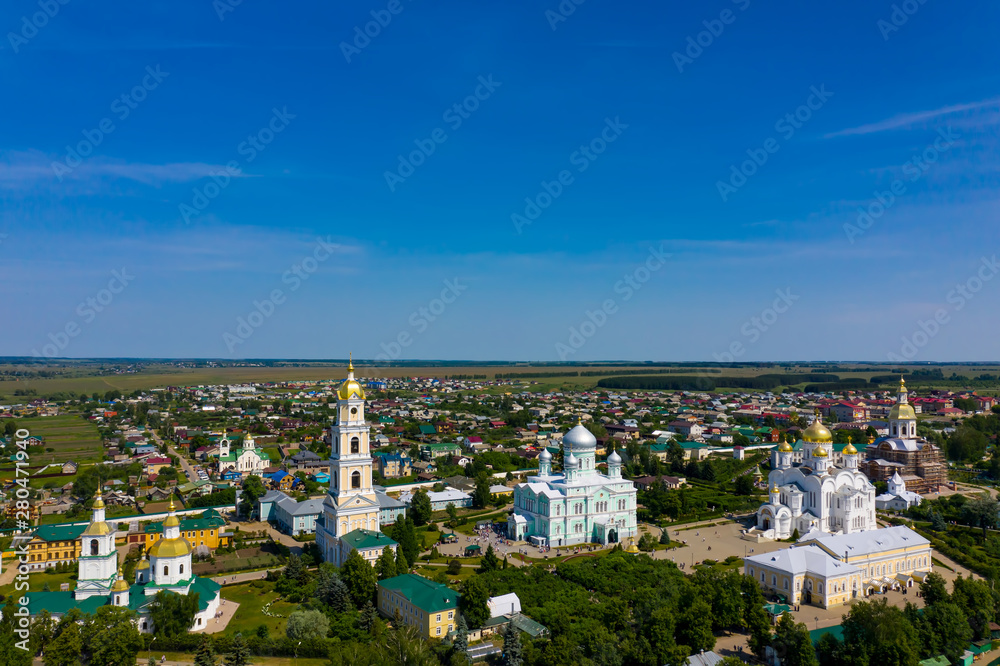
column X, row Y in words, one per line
column 97, row 529
column 820, row 452
column 350, row 388
column 849, row 450
column 98, row 502
column 817, row 433
column 785, row 447
column 902, row 410
column 143, row 564
column 170, row 548
column 172, row 520
column 120, row 584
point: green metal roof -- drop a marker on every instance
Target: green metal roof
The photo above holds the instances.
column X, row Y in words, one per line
column 426, row 595
column 367, row 539
column 60, row 532
column 58, row 603
column 427, row 430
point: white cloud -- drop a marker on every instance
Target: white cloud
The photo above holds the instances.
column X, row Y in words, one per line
column 921, row 118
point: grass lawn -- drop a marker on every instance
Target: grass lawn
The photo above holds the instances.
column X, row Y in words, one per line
column 255, row 661
column 273, row 453
column 252, row 597
column 433, row 572
column 38, row 580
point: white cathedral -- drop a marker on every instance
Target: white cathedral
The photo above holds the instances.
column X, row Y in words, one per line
column 350, row 519
column 581, row 505
column 100, row 581
column 814, row 496
column 246, row 459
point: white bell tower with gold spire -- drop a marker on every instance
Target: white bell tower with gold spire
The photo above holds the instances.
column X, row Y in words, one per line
column 351, row 503
column 98, row 557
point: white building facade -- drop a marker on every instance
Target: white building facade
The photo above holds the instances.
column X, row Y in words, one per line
column 816, row 496
column 580, row 505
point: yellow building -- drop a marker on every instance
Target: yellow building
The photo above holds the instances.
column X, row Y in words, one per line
column 52, row 544
column 830, row 570
column 430, row 607
column 208, row 531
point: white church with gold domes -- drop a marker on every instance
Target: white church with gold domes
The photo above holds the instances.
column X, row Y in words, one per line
column 814, row 496
column 100, row 581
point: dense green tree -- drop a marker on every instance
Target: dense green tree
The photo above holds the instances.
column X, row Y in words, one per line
column 206, row 653
column 385, row 567
column 111, row 637
column 66, row 646
column 360, row 578
column 978, row 602
column 239, row 652
column 461, row 643
column 744, row 485
column 404, row 533
column 947, row 621
column 294, row 570
column 331, row 590
column 10, row 652
column 401, row 565
column 877, row 633
column 694, row 628
column 981, row 512
column 489, row 561
column 754, row 618
column 513, row 652
column 420, row 507
column 473, row 601
column 481, row 495
column 173, row 614
column 369, row 617
column 306, row 625
column 933, row 589
column 792, row 644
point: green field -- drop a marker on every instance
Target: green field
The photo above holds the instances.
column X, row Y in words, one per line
column 37, row 581
column 70, row 436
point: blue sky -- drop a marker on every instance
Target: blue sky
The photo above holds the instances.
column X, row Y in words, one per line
column 641, row 125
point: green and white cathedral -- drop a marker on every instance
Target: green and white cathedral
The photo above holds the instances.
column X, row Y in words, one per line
column 580, row 505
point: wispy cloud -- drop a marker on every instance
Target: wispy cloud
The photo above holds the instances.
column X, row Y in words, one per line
column 29, row 169
column 921, row 118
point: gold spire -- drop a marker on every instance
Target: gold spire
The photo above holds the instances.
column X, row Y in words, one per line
column 350, row 362
column 350, row 388
column 902, row 383
column 120, row 584
column 98, row 502
column 849, row 450
column 172, row 503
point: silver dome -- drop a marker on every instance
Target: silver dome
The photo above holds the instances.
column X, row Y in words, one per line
column 614, row 458
column 571, row 461
column 545, row 456
column 579, row 438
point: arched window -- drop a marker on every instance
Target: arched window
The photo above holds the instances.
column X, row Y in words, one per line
column 166, row 569
column 354, row 411
column 355, row 479
column 355, row 445
column 182, row 570
column 94, row 547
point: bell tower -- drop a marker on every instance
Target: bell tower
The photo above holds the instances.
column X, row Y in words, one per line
column 351, row 503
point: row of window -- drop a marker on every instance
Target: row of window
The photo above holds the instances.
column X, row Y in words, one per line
column 578, row 508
